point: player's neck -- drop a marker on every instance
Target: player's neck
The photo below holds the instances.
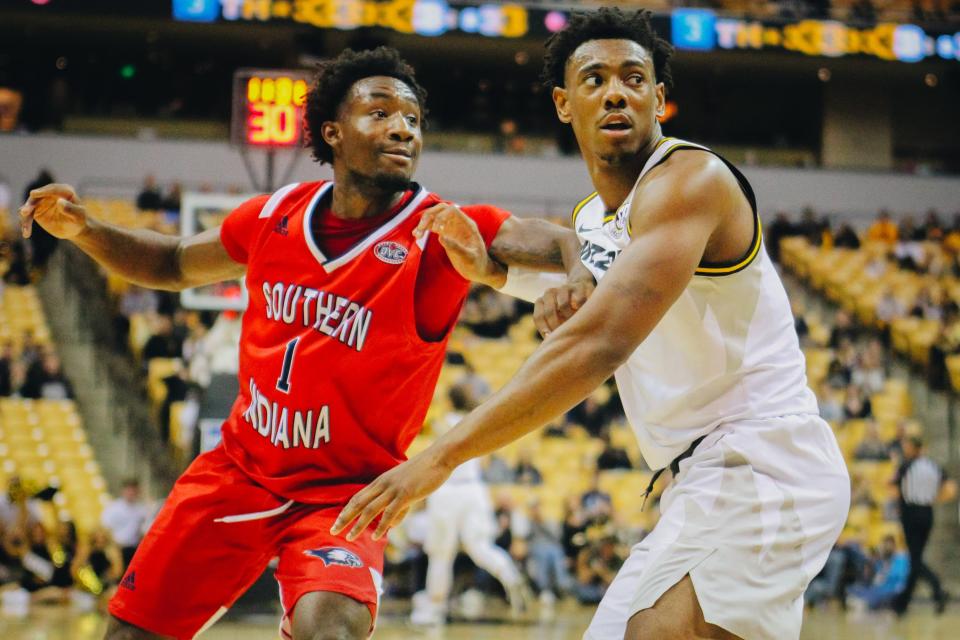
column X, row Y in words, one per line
column 354, row 201
column 613, row 179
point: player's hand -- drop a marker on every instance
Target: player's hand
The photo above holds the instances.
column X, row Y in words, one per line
column 558, row 305
column 57, row 209
column 460, row 237
column 391, row 494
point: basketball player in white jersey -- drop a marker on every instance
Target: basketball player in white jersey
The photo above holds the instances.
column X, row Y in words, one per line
column 692, row 318
column 461, row 513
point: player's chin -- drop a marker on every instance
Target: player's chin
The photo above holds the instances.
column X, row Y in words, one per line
column 395, row 180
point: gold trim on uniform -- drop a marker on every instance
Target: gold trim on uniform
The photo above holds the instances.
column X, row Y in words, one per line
column 743, row 264
column 582, row 204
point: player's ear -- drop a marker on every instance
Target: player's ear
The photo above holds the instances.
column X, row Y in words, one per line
column 331, row 133
column 661, row 100
column 562, row 104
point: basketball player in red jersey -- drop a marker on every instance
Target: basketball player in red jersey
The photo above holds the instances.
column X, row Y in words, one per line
column 342, row 343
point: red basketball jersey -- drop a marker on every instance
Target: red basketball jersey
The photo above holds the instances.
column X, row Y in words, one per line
column 335, row 380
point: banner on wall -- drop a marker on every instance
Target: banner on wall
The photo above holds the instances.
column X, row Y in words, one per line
column 688, row 29
column 702, row 30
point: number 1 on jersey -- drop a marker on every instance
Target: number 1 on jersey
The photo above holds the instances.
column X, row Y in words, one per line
column 283, row 382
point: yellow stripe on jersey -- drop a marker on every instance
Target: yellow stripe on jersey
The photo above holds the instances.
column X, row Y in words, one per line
column 582, row 204
column 726, row 270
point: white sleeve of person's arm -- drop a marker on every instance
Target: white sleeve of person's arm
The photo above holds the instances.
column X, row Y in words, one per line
column 530, row 285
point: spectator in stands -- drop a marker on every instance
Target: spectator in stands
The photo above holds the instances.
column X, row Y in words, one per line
column 473, row 382
column 947, row 343
column 126, row 519
column 838, row 374
column 951, row 240
column 219, row 351
column 46, row 574
column 18, row 273
column 17, row 508
column 547, row 563
column 597, row 565
column 597, row 504
column 591, row 414
column 46, row 380
column 163, row 343
column 846, row 238
column 497, row 471
column 487, row 313
column 932, row 228
column 42, row 244
column 574, row 527
column 890, row 570
column 10, row 566
column 831, row 403
column 827, row 584
column 171, row 201
column 799, row 320
column 810, row 228
column 134, row 301
column 894, row 446
column 856, row 404
column 843, row 328
column 780, row 228
column 6, row 366
column 883, row 229
column 526, row 471
column 871, row 447
column 30, row 349
column 889, row 308
column 98, row 565
column 63, row 545
column 149, row 198
column 868, row 373
column 860, row 493
column 612, row 457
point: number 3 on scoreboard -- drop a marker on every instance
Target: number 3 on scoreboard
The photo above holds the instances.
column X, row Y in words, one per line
column 283, row 382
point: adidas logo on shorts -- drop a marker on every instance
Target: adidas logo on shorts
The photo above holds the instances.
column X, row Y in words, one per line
column 129, row 581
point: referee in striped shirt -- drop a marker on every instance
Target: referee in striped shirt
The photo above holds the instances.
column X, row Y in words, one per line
column 922, row 483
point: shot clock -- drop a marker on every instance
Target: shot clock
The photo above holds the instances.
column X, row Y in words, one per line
column 268, row 108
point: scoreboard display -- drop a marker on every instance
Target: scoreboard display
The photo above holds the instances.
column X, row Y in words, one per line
column 268, row 108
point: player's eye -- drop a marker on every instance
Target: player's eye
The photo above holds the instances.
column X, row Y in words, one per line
column 593, row 80
column 380, row 114
column 635, row 79
column 413, row 120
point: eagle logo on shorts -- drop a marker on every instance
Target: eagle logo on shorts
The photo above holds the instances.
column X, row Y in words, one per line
column 390, row 252
column 336, row 555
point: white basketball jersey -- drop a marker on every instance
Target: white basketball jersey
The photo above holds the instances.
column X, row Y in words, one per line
column 726, row 350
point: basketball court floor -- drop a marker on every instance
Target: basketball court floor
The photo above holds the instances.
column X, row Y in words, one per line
column 567, row 623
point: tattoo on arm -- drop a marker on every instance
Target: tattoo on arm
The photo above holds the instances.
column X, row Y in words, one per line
column 535, row 244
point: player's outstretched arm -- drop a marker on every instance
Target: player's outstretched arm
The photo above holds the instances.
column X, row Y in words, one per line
column 144, row 257
column 671, row 229
column 521, row 250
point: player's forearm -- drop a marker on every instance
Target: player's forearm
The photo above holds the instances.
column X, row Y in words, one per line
column 538, row 244
column 561, row 373
column 143, row 257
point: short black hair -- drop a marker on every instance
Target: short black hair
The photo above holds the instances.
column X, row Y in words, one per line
column 607, row 23
column 334, row 79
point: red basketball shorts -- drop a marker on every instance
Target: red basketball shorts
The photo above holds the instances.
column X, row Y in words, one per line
column 215, row 536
